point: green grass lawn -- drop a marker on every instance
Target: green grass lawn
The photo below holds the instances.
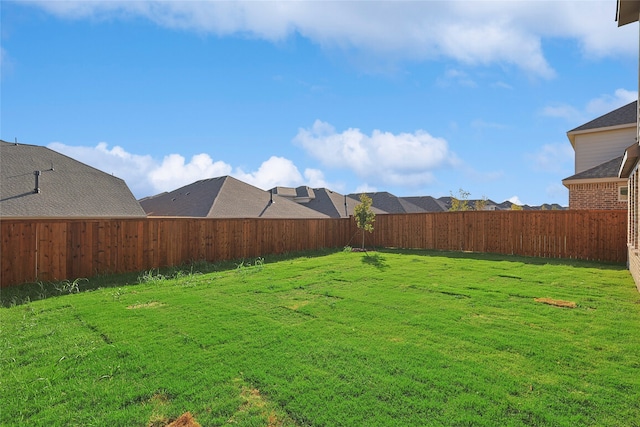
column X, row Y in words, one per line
column 392, row 338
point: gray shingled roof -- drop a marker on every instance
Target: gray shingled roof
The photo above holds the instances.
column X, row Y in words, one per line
column 285, row 191
column 304, row 192
column 426, row 203
column 608, row 169
column 301, row 194
column 333, row 204
column 224, row 197
column 389, row 203
column 622, row 116
column 68, row 188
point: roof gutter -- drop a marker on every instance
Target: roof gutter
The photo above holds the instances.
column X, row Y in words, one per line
column 629, row 160
column 627, row 11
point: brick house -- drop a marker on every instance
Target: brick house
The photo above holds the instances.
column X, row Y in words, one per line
column 627, row 12
column 599, row 146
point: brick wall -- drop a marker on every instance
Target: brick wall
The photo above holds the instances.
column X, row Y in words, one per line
column 602, row 195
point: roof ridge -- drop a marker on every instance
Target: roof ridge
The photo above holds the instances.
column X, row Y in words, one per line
column 224, row 179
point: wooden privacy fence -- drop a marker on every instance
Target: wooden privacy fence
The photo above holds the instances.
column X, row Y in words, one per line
column 596, row 235
column 57, row 249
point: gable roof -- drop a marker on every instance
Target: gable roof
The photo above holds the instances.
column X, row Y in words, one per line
column 224, row 197
column 624, row 116
column 67, row 187
column 620, row 118
column 427, row 203
column 609, row 169
column 336, row 205
column 388, row 203
column 331, row 203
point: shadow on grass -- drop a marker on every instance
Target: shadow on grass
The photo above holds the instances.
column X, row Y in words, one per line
column 375, row 260
column 28, row 292
column 25, row 293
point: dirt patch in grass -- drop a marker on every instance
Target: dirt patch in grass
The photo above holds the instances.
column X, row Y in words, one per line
column 557, row 302
column 185, row 420
column 298, row 305
column 159, row 418
column 152, row 304
column 256, row 409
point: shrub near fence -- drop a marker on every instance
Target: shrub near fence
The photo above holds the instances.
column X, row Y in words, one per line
column 57, row 249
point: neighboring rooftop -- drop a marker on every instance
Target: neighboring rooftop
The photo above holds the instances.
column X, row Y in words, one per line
column 388, row 203
column 36, row 181
column 225, row 197
column 336, row 205
column 302, row 194
column 427, row 203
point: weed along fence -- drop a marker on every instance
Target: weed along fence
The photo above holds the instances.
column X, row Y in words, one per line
column 57, row 249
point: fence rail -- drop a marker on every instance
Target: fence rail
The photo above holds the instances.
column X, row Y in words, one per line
column 57, row 249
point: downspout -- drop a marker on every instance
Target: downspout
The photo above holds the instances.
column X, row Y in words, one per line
column 37, row 252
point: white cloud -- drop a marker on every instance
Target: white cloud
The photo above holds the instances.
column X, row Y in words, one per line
column 606, row 103
column 473, row 33
column 146, row 176
column 458, row 77
column 174, row 173
column 563, row 111
column 315, row 179
column 554, row 158
column 277, row 171
column 515, row 200
column 396, row 159
column 365, row 188
column 593, row 108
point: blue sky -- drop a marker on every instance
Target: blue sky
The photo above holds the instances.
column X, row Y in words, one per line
column 414, row 98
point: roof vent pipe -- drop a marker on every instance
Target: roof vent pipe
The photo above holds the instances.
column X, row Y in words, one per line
column 271, row 197
column 346, row 211
column 36, row 190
